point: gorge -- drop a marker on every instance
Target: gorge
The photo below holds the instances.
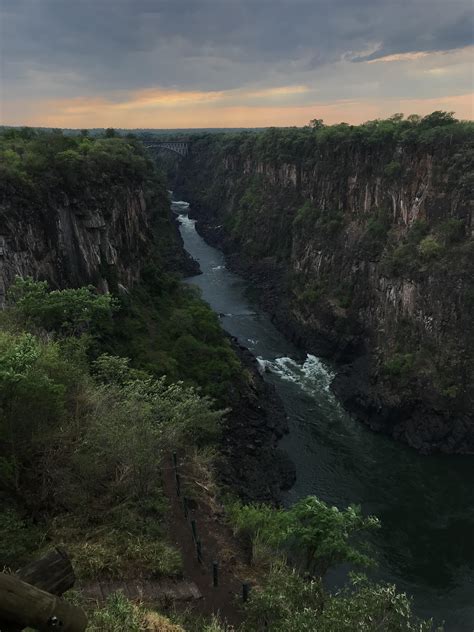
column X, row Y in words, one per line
column 345, row 274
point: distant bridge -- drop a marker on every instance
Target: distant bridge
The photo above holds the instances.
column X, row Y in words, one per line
column 179, row 147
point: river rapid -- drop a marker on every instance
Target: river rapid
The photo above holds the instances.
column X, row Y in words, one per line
column 425, row 503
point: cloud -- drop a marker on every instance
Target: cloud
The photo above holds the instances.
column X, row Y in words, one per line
column 141, row 54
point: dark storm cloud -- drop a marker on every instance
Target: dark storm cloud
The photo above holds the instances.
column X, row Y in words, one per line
column 213, row 44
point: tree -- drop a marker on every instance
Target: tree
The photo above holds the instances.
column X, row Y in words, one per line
column 110, row 133
column 314, row 534
column 438, row 118
column 67, row 312
column 316, row 123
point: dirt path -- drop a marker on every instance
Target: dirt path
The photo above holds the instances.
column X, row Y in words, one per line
column 217, row 544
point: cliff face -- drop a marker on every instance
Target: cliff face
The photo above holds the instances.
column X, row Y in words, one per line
column 75, row 243
column 365, row 256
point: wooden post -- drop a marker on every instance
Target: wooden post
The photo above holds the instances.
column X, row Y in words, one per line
column 28, row 606
column 178, row 485
column 175, row 460
column 215, row 574
column 194, row 529
column 199, row 551
column 245, row 592
column 185, row 507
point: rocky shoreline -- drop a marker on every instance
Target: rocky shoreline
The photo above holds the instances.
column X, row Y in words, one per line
column 253, row 464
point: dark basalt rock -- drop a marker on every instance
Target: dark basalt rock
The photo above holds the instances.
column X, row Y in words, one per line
column 253, row 465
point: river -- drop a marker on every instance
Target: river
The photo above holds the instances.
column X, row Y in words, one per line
column 425, row 504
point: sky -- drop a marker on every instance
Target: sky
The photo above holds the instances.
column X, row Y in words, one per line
column 231, row 63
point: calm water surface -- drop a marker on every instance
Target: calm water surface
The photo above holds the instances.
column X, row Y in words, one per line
column 425, row 504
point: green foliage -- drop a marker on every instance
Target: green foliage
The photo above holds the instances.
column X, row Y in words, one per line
column 393, row 170
column 306, row 216
column 417, row 231
column 188, row 343
column 312, row 293
column 320, row 535
column 18, row 539
column 400, row 365
column 68, row 312
column 323, row 223
column 287, row 601
column 429, row 248
column 375, row 235
column 75, row 435
column 451, row 231
column 37, row 167
column 118, row 614
column 371, row 607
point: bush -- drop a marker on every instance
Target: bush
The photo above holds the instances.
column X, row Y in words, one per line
column 451, row 231
column 429, row 248
column 319, row 535
column 393, row 169
column 67, row 312
column 18, row 539
column 288, row 601
column 118, row 614
column 400, row 365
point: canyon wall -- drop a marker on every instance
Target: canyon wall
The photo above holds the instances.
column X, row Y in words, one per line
column 362, row 245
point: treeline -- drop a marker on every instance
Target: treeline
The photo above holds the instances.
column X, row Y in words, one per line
column 277, row 145
column 38, row 166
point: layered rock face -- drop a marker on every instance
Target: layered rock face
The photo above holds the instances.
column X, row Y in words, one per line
column 365, row 256
column 75, row 243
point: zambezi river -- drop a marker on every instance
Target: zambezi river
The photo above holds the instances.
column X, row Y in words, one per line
column 425, row 503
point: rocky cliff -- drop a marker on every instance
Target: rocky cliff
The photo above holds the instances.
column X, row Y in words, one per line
column 361, row 239
column 98, row 228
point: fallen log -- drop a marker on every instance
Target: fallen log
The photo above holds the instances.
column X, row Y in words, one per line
column 23, row 605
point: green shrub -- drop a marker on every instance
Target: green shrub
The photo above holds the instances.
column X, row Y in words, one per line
column 429, row 248
column 287, row 601
column 319, row 535
column 393, row 169
column 451, row 231
column 307, row 216
column 68, row 312
column 400, row 364
column 118, row 615
column 18, row 539
column 418, row 229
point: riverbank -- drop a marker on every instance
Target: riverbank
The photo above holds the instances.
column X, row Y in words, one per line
column 253, row 466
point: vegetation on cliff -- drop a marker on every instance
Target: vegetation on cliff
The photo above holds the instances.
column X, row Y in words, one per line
column 365, row 235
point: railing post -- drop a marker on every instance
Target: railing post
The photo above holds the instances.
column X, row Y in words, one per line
column 185, row 507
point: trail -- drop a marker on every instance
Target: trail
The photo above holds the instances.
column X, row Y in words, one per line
column 217, row 544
